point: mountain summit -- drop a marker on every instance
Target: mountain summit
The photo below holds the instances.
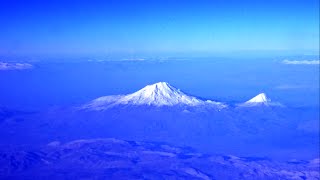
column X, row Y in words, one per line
column 260, row 98
column 158, row 94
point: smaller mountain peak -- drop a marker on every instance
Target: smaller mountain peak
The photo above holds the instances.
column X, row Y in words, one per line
column 260, row 98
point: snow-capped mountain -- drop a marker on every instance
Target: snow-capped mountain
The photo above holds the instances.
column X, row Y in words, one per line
column 158, row 94
column 260, row 99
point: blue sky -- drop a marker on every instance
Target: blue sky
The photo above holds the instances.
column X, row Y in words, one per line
column 164, row 27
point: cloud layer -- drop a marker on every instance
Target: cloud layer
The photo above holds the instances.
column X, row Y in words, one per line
column 289, row 86
column 307, row 62
column 15, row 66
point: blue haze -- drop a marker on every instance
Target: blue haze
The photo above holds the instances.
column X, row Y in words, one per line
column 226, row 80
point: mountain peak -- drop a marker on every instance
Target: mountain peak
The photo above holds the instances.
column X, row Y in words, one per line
column 157, row 89
column 160, row 84
column 158, row 94
column 260, row 98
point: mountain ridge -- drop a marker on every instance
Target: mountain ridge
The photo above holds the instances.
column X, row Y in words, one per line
column 162, row 94
column 158, row 95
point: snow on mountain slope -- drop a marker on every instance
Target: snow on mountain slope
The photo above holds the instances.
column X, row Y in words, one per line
column 260, row 99
column 158, row 94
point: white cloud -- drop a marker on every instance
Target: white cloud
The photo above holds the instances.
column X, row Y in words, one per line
column 15, row 66
column 133, row 59
column 307, row 62
column 289, row 86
